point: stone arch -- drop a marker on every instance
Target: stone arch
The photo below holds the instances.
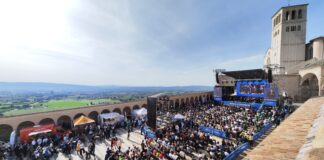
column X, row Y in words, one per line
column 182, row 103
column 177, row 103
column 187, row 101
column 207, row 98
column 127, row 111
column 78, row 115
column 171, row 103
column 23, row 125
column 105, row 111
column 65, row 122
column 309, row 86
column 196, row 99
column 5, row 131
column 46, row 121
column 144, row 106
column 136, row 107
column 94, row 115
column 117, row 110
column 192, row 100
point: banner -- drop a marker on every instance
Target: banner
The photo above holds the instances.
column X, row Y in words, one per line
column 262, row 131
column 212, row 131
column 218, row 99
column 272, row 103
column 237, row 151
column 148, row 133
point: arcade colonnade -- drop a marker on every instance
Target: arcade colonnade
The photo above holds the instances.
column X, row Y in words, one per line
column 65, row 117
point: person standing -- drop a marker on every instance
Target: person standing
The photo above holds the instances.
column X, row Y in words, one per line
column 128, row 134
column 78, row 147
column 92, row 149
column 82, row 150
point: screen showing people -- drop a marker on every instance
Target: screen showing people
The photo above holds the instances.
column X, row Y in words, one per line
column 217, row 91
column 271, row 93
column 252, row 88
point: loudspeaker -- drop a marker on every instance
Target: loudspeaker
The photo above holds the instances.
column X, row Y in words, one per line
column 270, row 76
column 151, row 112
column 217, row 80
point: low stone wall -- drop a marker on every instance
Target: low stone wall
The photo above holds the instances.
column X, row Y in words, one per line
column 317, row 149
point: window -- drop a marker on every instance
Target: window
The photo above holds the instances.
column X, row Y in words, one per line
column 279, row 17
column 287, row 15
column 299, row 28
column 287, row 29
column 300, row 14
column 293, row 14
column 293, row 28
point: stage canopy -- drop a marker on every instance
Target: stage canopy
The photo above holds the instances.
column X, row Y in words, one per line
column 140, row 112
column 111, row 118
column 83, row 120
column 247, row 74
column 26, row 133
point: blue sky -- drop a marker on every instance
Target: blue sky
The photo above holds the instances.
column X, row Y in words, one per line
column 144, row 42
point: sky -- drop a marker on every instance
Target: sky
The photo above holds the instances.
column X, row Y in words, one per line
column 137, row 43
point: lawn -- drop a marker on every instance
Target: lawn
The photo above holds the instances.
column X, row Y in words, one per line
column 58, row 105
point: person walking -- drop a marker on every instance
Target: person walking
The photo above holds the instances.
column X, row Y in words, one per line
column 128, row 134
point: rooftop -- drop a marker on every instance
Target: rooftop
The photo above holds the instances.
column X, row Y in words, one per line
column 299, row 5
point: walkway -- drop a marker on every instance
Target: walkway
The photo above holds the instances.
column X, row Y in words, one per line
column 286, row 140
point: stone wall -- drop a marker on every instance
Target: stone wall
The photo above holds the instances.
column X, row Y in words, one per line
column 9, row 124
column 289, row 84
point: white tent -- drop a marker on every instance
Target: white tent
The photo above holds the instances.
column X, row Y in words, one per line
column 179, row 116
column 140, row 112
column 111, row 118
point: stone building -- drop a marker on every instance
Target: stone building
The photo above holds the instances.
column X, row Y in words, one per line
column 297, row 66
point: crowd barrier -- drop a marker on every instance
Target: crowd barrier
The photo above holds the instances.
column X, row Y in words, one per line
column 262, row 131
column 246, row 145
column 212, row 131
column 237, row 151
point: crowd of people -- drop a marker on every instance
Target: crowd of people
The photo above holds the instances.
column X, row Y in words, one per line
column 243, row 99
column 176, row 140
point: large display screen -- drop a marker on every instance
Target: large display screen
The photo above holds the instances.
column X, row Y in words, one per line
column 217, row 91
column 271, row 93
column 251, row 88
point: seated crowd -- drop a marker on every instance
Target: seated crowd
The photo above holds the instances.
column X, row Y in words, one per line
column 176, row 140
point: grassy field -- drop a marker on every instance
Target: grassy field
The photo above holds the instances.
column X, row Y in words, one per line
column 58, row 105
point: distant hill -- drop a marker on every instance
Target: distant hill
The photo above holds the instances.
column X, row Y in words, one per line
column 21, row 87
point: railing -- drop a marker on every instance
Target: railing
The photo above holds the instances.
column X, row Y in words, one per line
column 246, row 145
column 213, row 131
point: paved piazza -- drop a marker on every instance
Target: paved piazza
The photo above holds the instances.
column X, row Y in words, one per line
column 135, row 139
